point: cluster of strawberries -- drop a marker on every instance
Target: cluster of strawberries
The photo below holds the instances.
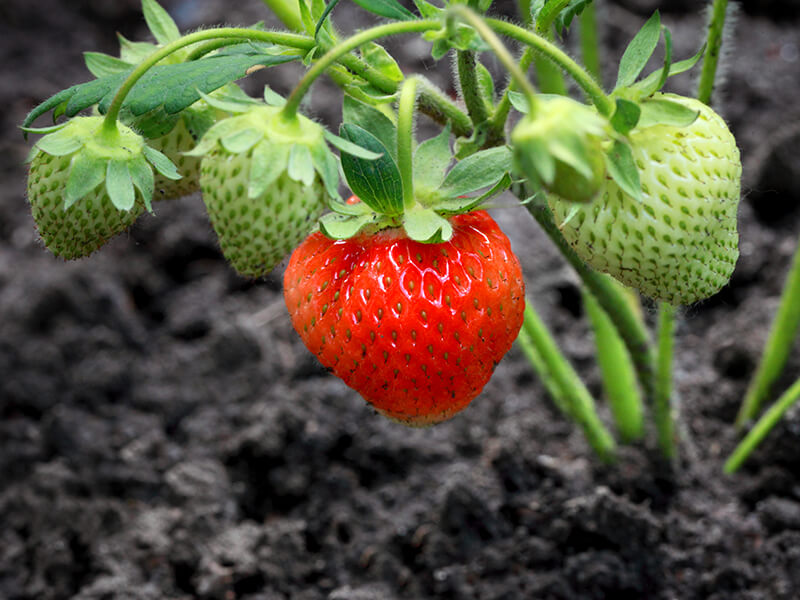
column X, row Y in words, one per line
column 417, row 328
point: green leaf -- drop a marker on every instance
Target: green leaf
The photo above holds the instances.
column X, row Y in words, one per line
column 327, row 167
column 85, row 174
column 379, row 59
column 241, row 140
column 391, row 9
column 485, row 85
column 373, row 120
column 301, row 165
column 462, row 204
column 376, row 182
column 342, row 227
column 639, row 51
column 305, row 16
column 328, row 8
column 44, row 130
column 622, row 168
column 269, row 161
column 272, row 97
column 649, row 84
column 159, row 22
column 572, row 10
column 101, row 65
column 349, row 147
column 424, row 225
column 134, row 52
column 667, row 61
column 143, row 180
column 151, row 125
column 233, row 105
column 60, row 143
column 175, row 87
column 660, row 111
column 477, row 171
column 431, row 160
column 519, row 101
column 119, row 185
column 161, row 163
column 626, row 116
column 428, row 10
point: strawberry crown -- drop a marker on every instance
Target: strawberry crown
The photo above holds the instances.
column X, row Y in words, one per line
column 119, row 159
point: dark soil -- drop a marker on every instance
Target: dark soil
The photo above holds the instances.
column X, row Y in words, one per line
column 164, row 434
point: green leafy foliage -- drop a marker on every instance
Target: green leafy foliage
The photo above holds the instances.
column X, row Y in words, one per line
column 373, row 120
column 173, row 87
column 390, row 9
column 542, row 12
column 377, row 182
column 622, row 168
column 639, row 51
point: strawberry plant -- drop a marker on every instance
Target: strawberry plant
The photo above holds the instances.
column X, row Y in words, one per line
column 409, row 291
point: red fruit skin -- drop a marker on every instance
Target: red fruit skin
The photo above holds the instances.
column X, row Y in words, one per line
column 415, row 328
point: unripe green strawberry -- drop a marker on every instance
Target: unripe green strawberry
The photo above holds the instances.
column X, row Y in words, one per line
column 88, row 183
column 174, row 145
column 265, row 182
column 680, row 244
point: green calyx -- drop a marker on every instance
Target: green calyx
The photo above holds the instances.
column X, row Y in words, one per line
column 560, row 149
column 279, row 144
column 439, row 191
column 116, row 157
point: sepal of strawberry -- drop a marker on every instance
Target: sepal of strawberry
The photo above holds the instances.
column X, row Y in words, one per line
column 439, row 191
column 265, row 180
column 559, row 148
column 88, row 183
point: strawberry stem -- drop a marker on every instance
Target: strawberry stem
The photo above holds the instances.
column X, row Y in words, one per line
column 405, row 139
column 569, row 392
column 333, row 55
column 716, row 27
column 590, row 43
column 539, row 44
column 286, row 39
column 779, row 345
column 480, row 25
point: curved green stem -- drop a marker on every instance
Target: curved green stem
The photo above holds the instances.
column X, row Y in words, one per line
column 779, row 344
column 716, row 28
column 470, row 88
column 504, row 56
column 405, row 138
column 664, row 406
column 630, row 326
column 432, row 101
column 569, row 392
column 592, row 89
column 286, row 39
column 330, row 57
column 763, row 427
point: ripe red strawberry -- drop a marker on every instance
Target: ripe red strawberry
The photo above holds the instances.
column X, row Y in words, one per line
column 416, row 328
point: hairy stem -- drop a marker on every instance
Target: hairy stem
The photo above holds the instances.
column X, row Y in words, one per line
column 549, row 76
column 470, row 89
column 713, row 45
column 341, row 49
column 284, row 39
column 432, row 101
column 629, row 325
column 504, row 56
column 604, row 104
